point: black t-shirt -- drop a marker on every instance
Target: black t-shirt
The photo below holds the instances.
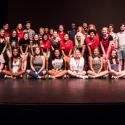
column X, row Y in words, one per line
column 24, row 43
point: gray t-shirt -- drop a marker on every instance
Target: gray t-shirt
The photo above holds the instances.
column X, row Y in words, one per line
column 121, row 40
column 30, row 32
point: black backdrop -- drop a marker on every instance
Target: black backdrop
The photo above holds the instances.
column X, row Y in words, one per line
column 52, row 13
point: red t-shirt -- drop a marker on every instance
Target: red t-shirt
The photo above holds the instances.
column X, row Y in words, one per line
column 6, row 34
column 92, row 43
column 45, row 44
column 20, row 34
column 61, row 35
column 66, row 46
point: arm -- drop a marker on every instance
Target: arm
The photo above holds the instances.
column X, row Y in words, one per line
column 83, row 50
column 90, row 64
column 89, row 50
column 101, row 59
column 70, row 52
column 6, row 42
column 31, row 64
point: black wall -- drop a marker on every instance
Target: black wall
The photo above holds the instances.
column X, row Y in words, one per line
column 52, row 12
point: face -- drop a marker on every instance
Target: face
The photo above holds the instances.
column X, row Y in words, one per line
column 55, row 34
column 46, row 30
column 85, row 25
column 110, row 29
column 92, row 35
column 26, row 36
column 122, row 27
column 41, row 31
column 37, row 51
column 78, row 37
column 80, row 29
column 28, row 25
column 61, row 28
column 51, row 31
column 104, row 31
column 2, row 32
column 6, row 27
column 36, row 37
column 113, row 54
column 66, row 37
column 15, row 52
column 19, row 26
column 77, row 54
column 57, row 53
column 45, row 37
column 73, row 25
column 14, row 34
column 96, row 52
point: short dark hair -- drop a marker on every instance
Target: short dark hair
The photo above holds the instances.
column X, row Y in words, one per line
column 112, row 25
column 92, row 30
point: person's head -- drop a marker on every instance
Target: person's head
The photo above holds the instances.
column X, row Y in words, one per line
column 2, row 33
column 51, row 31
column 85, row 25
column 46, row 30
column 122, row 27
column 79, row 36
column 37, row 51
column 5, row 26
column 41, row 30
column 15, row 52
column 66, row 37
column 96, row 52
column 45, row 37
column 55, row 34
column 14, row 33
column 92, row 33
column 77, row 54
column 36, row 37
column 113, row 54
column 110, row 27
column 28, row 25
column 61, row 28
column 57, row 53
column 80, row 29
column 104, row 31
column 19, row 26
column 91, row 27
column 73, row 26
column 26, row 36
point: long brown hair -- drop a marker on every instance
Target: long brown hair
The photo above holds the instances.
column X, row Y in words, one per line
column 116, row 58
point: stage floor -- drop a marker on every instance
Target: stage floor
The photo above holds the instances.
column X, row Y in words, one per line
column 61, row 91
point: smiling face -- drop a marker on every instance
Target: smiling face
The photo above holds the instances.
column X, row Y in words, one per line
column 19, row 26
column 57, row 53
column 15, row 52
column 61, row 28
column 122, row 27
column 14, row 33
column 2, row 33
column 28, row 26
column 45, row 37
column 114, row 53
column 37, row 51
column 36, row 37
column 104, row 31
column 77, row 54
column 92, row 35
column 26, row 36
column 110, row 29
column 6, row 27
column 66, row 37
column 96, row 52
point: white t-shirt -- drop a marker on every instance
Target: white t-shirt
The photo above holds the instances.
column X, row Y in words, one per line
column 77, row 65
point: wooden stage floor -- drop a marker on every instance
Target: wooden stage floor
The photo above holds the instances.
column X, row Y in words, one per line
column 71, row 91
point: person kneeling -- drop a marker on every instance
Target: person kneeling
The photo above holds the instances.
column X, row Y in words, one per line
column 56, row 65
column 77, row 66
column 37, row 63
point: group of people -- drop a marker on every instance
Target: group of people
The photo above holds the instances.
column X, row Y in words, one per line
column 79, row 52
